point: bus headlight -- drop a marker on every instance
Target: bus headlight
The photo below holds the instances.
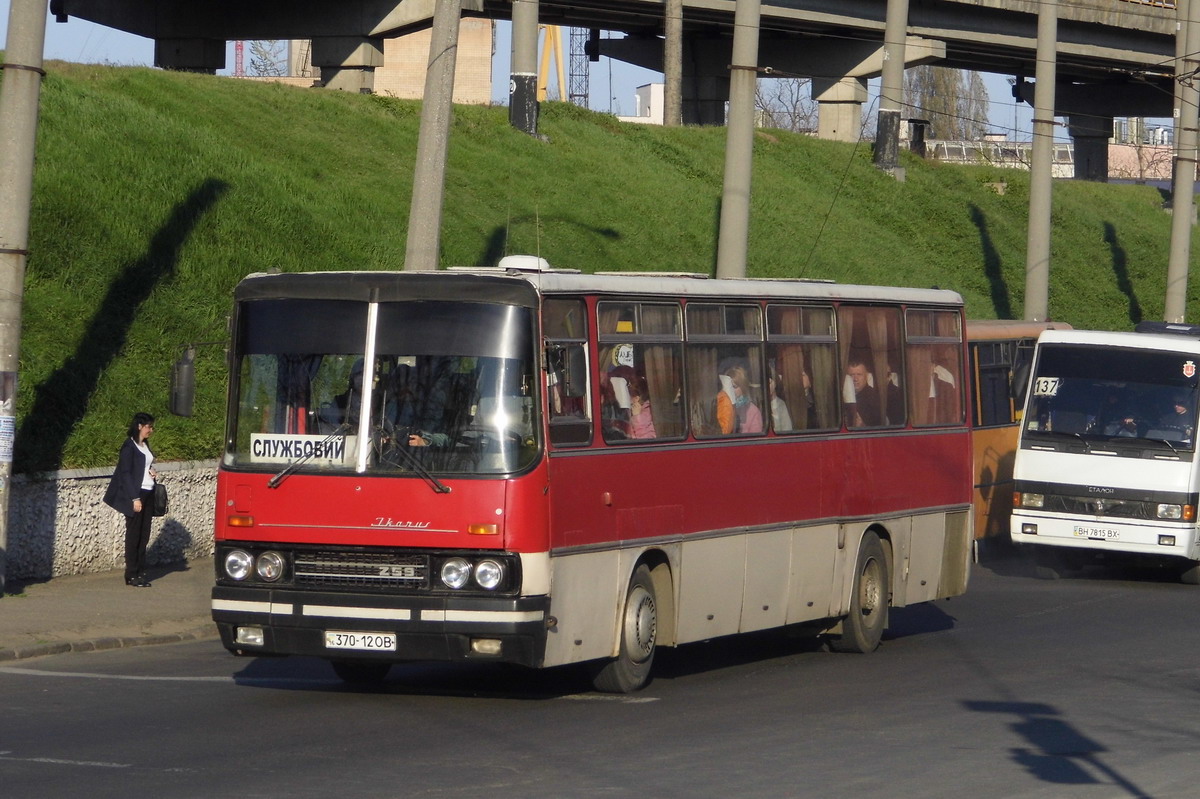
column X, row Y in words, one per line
column 455, row 573
column 1032, row 500
column 489, row 574
column 238, row 564
column 1167, row 511
column 269, row 566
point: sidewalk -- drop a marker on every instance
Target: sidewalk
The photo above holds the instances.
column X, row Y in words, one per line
column 85, row 612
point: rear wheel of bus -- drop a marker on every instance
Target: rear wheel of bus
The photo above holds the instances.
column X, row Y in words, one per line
column 862, row 629
column 630, row 670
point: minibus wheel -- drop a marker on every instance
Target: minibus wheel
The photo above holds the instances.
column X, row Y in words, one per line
column 630, row 670
column 863, row 628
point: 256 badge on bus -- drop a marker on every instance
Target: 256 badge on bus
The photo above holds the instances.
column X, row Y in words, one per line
column 1095, row 533
column 370, row 642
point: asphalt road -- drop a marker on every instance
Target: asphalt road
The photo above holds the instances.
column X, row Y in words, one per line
column 1086, row 687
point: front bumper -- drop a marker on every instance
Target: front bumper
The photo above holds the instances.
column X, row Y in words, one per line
column 1116, row 536
column 435, row 628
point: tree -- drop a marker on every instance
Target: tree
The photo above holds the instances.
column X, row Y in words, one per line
column 786, row 103
column 268, row 58
column 953, row 101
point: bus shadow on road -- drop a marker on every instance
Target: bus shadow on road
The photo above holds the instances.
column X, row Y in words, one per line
column 468, row 680
column 505, row 681
column 927, row 617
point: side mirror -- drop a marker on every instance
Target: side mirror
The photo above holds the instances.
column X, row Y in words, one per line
column 183, row 383
column 1020, row 384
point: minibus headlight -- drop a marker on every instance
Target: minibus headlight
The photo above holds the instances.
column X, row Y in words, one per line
column 1033, row 500
column 489, row 574
column 238, row 564
column 269, row 566
column 455, row 573
column 1168, row 511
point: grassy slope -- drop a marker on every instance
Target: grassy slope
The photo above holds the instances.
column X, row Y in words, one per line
column 156, row 192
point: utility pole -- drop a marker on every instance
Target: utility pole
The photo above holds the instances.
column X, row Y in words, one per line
column 1037, row 251
column 1183, row 199
column 20, row 91
column 673, row 63
column 433, row 142
column 522, row 80
column 733, row 236
column 891, row 89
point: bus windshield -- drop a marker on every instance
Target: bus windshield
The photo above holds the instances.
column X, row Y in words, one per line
column 1123, row 397
column 449, row 388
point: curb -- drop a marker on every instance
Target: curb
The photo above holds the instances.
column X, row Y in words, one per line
column 203, row 633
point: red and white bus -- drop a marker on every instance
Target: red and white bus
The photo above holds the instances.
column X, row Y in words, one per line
column 535, row 466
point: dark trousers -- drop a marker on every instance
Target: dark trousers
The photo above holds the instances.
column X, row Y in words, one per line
column 137, row 535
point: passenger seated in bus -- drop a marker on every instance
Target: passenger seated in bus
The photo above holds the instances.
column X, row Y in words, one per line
column 781, row 419
column 726, row 418
column 749, row 417
column 860, row 396
column 615, row 397
column 641, row 420
column 895, row 399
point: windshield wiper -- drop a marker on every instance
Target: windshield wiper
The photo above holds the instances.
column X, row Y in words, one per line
column 414, row 463
column 294, row 465
column 1163, row 441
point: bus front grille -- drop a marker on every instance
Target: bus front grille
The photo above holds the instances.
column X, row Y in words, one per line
column 371, row 571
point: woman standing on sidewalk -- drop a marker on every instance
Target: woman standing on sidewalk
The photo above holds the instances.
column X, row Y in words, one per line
column 131, row 492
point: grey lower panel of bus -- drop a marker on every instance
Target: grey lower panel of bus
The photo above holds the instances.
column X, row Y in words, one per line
column 747, row 580
column 427, row 628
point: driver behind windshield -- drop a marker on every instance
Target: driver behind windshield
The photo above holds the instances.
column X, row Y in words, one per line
column 1179, row 416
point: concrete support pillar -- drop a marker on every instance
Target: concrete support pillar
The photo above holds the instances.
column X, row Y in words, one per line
column 704, row 98
column 891, row 89
column 1037, row 252
column 190, row 55
column 839, row 112
column 1090, row 135
column 733, row 237
column 1183, row 198
column 523, row 106
column 673, row 63
column 348, row 63
column 20, row 90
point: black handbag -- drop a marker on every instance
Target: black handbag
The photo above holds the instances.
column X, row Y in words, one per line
column 160, row 500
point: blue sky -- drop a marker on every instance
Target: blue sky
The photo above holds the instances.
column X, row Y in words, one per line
column 612, row 83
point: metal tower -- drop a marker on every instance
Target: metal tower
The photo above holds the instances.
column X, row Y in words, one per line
column 578, row 80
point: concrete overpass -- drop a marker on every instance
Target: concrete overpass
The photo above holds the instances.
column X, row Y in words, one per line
column 1115, row 57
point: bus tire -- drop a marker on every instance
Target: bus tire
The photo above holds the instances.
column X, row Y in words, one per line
column 1190, row 574
column 863, row 627
column 361, row 672
column 630, row 670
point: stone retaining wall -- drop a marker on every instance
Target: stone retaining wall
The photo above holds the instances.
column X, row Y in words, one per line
column 58, row 523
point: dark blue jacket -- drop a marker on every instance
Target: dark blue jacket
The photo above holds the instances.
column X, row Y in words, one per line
column 126, row 483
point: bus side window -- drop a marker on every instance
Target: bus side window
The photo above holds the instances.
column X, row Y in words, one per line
column 934, row 339
column 802, row 365
column 569, row 411
column 869, row 346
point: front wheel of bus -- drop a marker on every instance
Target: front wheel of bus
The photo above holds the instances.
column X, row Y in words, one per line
column 639, row 628
column 863, row 628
